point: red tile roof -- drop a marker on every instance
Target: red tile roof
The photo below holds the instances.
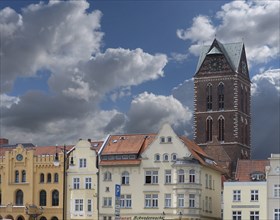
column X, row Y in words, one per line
column 245, row 167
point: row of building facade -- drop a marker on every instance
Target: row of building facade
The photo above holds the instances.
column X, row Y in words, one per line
column 133, row 176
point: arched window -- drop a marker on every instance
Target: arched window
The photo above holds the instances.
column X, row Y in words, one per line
column 174, row 157
column 221, row 100
column 43, row 198
column 125, row 178
column 16, row 176
column 181, row 176
column 43, row 218
column 192, row 176
column 55, row 198
column 23, row 176
column 42, row 178
column 165, row 157
column 209, row 124
column 221, row 129
column 54, row 218
column 19, row 197
column 107, row 176
column 209, row 97
column 157, row 157
column 49, row 178
column 56, row 177
column 20, row 217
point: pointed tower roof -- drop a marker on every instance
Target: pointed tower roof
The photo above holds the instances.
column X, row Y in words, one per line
column 232, row 52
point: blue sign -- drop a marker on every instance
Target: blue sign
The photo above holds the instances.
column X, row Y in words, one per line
column 118, row 190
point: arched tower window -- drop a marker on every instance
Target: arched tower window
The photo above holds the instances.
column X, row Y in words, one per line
column 49, row 178
column 55, row 198
column 43, row 198
column 23, row 176
column 42, row 178
column 221, row 129
column 209, row 125
column 16, row 176
column 221, row 99
column 19, row 197
column 209, row 97
column 56, row 177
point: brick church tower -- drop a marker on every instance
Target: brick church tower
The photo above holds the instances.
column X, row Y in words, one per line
column 222, row 119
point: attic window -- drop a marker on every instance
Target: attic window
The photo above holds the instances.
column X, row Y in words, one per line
column 169, row 139
column 162, row 139
column 257, row 176
column 209, row 161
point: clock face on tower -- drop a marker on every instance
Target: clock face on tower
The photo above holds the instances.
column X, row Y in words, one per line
column 19, row 157
column 216, row 64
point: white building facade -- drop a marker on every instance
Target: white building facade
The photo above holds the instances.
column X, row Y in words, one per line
column 161, row 176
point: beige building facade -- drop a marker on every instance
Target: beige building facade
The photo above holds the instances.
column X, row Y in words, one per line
column 82, row 184
column 161, row 176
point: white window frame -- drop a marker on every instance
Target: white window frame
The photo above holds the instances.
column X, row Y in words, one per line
column 236, row 215
column 165, row 157
column 76, row 183
column 78, row 205
column 276, row 191
column 167, row 200
column 254, row 215
column 181, row 176
column 173, row 157
column 151, row 200
column 181, row 200
column 126, row 201
column 192, row 176
column 125, row 178
column 89, row 205
column 107, row 176
column 167, row 176
column 191, row 200
column 153, row 174
column 254, row 195
column 236, row 195
column 157, row 158
column 107, row 201
column 276, row 214
column 82, row 163
column 88, row 182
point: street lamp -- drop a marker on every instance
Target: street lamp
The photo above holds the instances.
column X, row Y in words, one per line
column 56, row 163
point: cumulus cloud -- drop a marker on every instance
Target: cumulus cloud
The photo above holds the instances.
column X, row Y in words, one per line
column 7, row 101
column 255, row 22
column 149, row 111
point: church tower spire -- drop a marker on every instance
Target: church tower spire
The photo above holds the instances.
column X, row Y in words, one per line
column 222, row 119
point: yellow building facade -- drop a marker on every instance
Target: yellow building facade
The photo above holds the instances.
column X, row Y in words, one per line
column 30, row 184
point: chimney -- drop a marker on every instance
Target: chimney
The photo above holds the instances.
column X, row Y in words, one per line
column 4, row 141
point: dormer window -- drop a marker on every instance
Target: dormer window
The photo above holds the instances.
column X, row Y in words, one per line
column 169, row 139
column 257, row 176
column 162, row 139
column 165, row 157
column 157, row 157
column 174, row 157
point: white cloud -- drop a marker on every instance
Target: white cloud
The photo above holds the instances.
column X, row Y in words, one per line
column 256, row 22
column 7, row 101
column 149, row 111
column 178, row 57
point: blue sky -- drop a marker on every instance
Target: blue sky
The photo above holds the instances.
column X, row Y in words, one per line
column 83, row 69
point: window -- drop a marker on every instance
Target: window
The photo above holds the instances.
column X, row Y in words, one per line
column 254, row 195
column 43, row 218
column 76, row 183
column 162, row 139
column 221, row 129
column 276, row 214
column 16, row 176
column 79, row 205
column 276, row 191
column 206, row 203
column 42, row 178
column 89, row 205
column 236, row 215
column 210, row 182
column 167, row 201
column 43, row 198
column 83, row 163
column 181, row 176
column 107, row 201
column 191, row 200
column 169, row 139
column 254, row 215
column 192, row 176
column 151, row 200
column 49, row 178
column 23, row 176
column 221, row 96
column 236, row 195
column 206, row 180
column 55, row 198
column 209, row 97
column 210, row 204
column 125, row 178
column 19, row 197
column 56, row 177
column 165, row 157
column 209, row 123
column 107, row 176
column 181, row 200
column 167, row 177
column 174, row 157
column 157, row 157
column 125, row 201
column 88, row 182
column 151, row 177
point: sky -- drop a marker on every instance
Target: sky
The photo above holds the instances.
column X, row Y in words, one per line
column 86, row 69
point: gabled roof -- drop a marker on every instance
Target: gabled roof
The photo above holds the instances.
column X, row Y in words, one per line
column 245, row 168
column 127, row 144
column 232, row 52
